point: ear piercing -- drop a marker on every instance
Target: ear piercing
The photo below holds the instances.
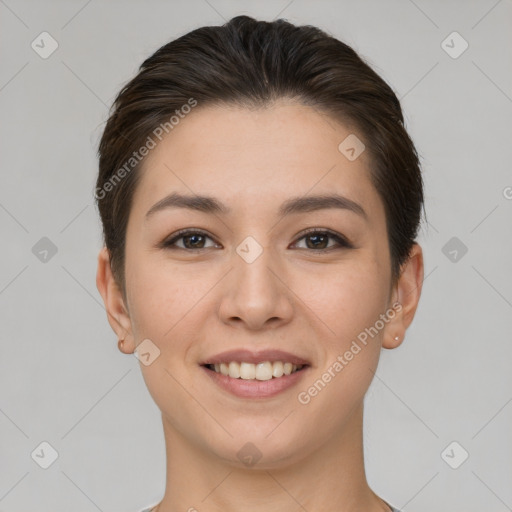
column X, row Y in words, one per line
column 397, row 338
column 120, row 344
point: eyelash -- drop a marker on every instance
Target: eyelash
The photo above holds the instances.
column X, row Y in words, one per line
column 342, row 242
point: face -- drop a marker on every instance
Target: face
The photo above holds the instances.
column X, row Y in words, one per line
column 271, row 273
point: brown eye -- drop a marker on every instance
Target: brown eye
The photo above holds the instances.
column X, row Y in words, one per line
column 319, row 240
column 191, row 240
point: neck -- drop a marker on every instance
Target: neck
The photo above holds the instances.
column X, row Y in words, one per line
column 331, row 478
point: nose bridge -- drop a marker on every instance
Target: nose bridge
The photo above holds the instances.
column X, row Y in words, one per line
column 255, row 293
column 252, row 262
column 254, row 279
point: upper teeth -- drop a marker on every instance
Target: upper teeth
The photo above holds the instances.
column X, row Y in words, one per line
column 260, row 371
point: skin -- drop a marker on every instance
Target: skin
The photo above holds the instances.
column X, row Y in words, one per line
column 193, row 305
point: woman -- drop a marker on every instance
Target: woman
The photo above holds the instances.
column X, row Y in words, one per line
column 260, row 199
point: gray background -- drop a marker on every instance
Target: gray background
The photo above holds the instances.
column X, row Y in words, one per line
column 62, row 378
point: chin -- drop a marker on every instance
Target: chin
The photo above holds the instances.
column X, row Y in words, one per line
column 257, row 450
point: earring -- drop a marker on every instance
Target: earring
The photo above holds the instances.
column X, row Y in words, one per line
column 397, row 338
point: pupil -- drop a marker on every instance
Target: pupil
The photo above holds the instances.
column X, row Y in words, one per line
column 316, row 237
column 193, row 237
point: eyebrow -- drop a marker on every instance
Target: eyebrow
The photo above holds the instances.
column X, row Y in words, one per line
column 207, row 204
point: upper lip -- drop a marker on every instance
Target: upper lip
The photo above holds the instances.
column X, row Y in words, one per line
column 250, row 356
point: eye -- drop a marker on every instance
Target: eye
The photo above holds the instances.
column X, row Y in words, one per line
column 192, row 239
column 195, row 239
column 319, row 238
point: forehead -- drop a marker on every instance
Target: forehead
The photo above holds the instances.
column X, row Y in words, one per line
column 255, row 156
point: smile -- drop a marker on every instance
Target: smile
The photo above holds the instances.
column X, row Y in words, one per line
column 265, row 370
column 255, row 380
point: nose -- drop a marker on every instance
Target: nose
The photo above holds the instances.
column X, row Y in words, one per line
column 255, row 294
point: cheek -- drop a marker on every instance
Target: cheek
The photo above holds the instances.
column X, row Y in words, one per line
column 170, row 305
column 350, row 303
column 159, row 302
column 157, row 298
column 346, row 299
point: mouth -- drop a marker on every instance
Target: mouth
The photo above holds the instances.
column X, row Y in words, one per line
column 262, row 371
column 248, row 374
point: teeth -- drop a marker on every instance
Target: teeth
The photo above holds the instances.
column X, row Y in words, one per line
column 277, row 370
column 234, row 370
column 247, row 371
column 262, row 371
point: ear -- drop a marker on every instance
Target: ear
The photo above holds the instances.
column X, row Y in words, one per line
column 405, row 297
column 117, row 312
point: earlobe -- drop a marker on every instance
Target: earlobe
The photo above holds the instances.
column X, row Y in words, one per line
column 117, row 312
column 406, row 297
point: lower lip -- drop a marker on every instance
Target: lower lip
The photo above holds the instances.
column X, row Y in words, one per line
column 255, row 388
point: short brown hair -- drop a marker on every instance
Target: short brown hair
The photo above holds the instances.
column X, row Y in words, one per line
column 252, row 63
